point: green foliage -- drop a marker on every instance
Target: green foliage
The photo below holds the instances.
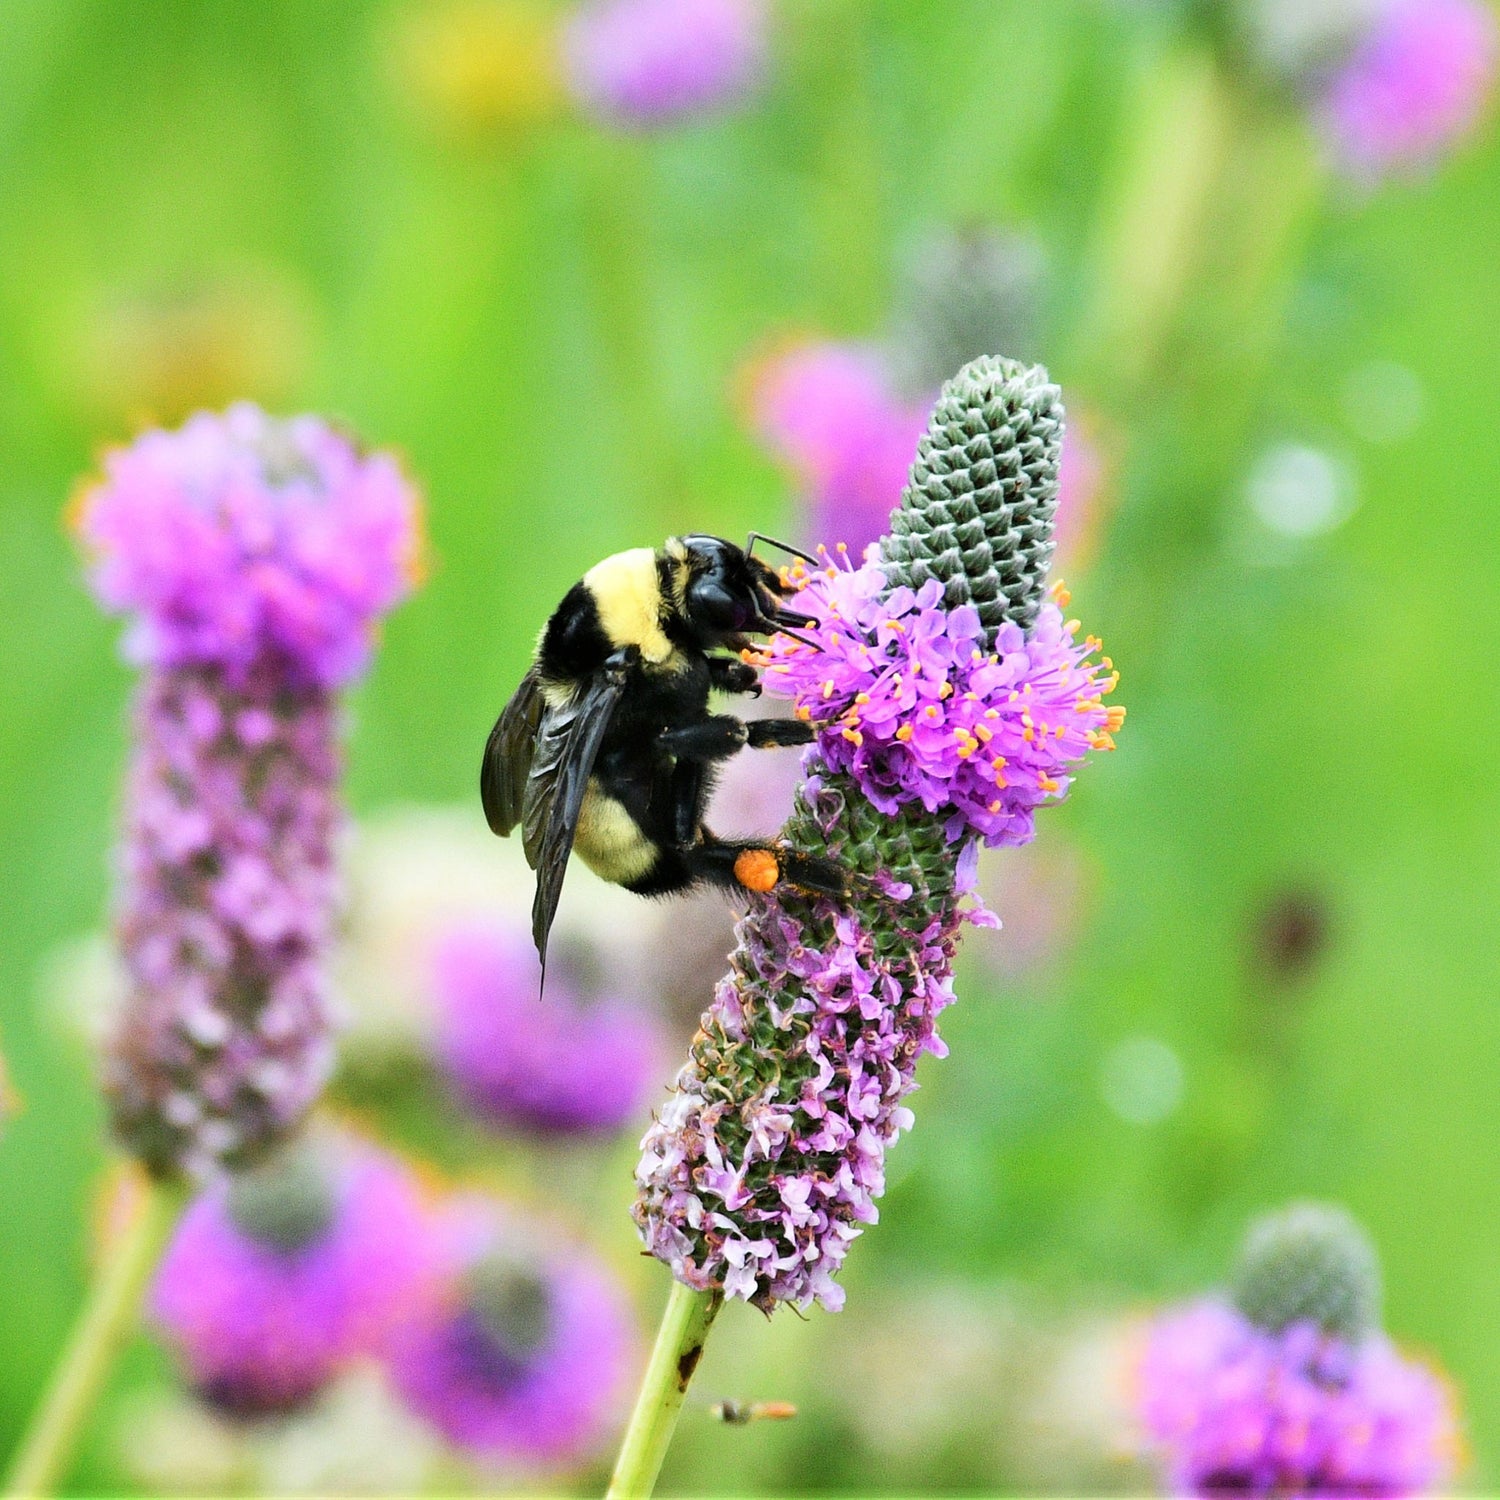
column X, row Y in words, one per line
column 1293, row 716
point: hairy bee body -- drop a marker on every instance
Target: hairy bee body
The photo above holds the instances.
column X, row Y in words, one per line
column 608, row 747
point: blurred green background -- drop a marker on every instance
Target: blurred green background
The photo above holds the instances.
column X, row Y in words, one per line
column 547, row 322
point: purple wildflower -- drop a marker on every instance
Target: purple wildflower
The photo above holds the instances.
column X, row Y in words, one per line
column 580, row 1061
column 1412, row 87
column 912, row 701
column 519, row 1358
column 1241, row 1410
column 766, row 1161
column 828, row 411
column 275, row 1280
column 641, row 63
column 253, row 558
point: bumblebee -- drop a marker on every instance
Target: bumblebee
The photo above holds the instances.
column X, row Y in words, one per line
column 608, row 747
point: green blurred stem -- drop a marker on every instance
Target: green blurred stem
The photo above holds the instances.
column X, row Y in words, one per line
column 620, row 253
column 679, row 1346
column 1154, row 222
column 106, row 1322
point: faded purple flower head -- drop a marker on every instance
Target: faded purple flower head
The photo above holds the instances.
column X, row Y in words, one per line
column 828, row 411
column 834, row 415
column 523, row 1354
column 253, row 558
column 643, row 63
column 766, row 1161
column 1240, row 1410
column 581, row 1058
column 276, row 1280
column 1413, row 86
column 241, row 539
column 912, row 700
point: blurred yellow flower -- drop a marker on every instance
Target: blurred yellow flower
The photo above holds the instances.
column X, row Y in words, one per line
column 481, row 66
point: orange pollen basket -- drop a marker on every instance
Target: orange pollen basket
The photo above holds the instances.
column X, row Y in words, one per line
column 757, row 870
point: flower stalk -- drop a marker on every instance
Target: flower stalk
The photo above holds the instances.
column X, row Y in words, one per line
column 679, row 1345
column 107, row 1320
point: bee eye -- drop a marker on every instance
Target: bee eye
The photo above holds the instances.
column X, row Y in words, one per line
column 712, row 605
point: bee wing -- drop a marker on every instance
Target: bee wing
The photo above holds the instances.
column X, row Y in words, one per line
column 508, row 756
column 567, row 745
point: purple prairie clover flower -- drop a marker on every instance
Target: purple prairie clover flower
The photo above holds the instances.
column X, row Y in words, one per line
column 277, row 1279
column 1289, row 1388
column 917, row 705
column 1413, row 86
column 645, row 63
column 1240, row 1410
column 253, row 559
column 768, row 1157
column 579, row 1061
column 523, row 1353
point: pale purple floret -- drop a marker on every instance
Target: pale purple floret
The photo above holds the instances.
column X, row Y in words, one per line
column 909, row 699
column 641, row 63
column 262, row 1322
column 253, row 559
column 771, row 1217
column 1414, row 85
column 1238, row 1410
column 518, row 1359
column 579, row 1059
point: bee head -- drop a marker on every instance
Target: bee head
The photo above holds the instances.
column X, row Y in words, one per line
column 722, row 594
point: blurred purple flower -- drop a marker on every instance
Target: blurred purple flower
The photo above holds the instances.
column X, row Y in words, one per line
column 833, row 414
column 912, row 701
column 828, row 411
column 1414, row 85
column 643, row 63
column 253, row 558
column 275, row 1280
column 1240, row 1410
column 242, row 540
column 520, row 1358
column 579, row 1059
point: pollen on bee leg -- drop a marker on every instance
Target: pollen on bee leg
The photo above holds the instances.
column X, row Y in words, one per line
column 757, row 870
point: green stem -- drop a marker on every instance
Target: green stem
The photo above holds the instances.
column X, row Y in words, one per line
column 679, row 1345
column 621, row 235
column 1153, row 230
column 108, row 1317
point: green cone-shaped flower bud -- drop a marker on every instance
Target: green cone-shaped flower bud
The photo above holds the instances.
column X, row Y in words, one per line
column 978, row 510
column 1310, row 1263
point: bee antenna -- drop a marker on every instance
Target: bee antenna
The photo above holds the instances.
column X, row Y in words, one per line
column 770, row 541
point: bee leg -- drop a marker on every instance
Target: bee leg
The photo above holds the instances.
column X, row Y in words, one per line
column 772, row 734
column 731, row 676
column 751, row 865
column 714, row 737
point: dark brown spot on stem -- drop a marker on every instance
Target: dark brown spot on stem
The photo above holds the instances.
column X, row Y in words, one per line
column 688, row 1362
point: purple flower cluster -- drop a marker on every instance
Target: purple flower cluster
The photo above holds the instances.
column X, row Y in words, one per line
column 763, row 1195
column 1299, row 1412
column 1414, row 85
column 240, row 539
column 254, row 559
column 580, row 1061
column 643, row 63
column 911, row 702
column 519, row 1358
column 275, row 1282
